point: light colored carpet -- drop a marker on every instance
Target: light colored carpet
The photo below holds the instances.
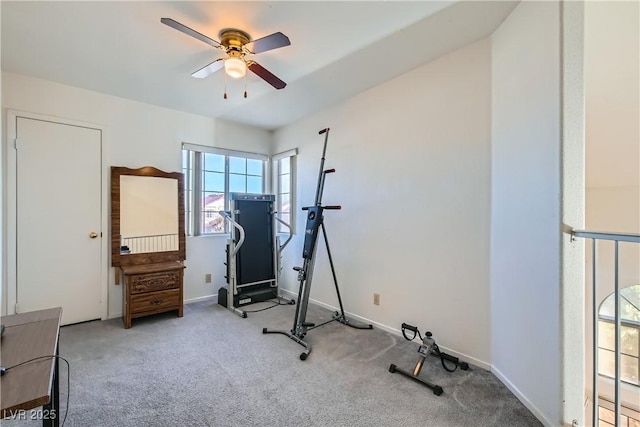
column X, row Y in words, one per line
column 213, row 368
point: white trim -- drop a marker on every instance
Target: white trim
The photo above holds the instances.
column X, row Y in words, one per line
column 224, row 151
column 12, row 117
column 204, row 298
column 114, row 316
column 522, row 398
column 463, row 357
column 285, row 154
column 196, row 169
column 275, row 181
column 106, row 221
column 268, row 174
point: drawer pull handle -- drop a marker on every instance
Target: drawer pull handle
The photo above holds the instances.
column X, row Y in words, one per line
column 156, row 302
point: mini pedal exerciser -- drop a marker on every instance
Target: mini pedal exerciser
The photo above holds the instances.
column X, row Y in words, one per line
column 427, row 348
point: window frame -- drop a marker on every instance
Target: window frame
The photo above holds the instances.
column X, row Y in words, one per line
column 605, row 319
column 194, row 212
column 187, row 171
column 606, row 409
column 278, row 191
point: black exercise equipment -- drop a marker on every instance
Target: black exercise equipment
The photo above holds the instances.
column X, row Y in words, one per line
column 315, row 222
column 253, row 252
column 427, row 348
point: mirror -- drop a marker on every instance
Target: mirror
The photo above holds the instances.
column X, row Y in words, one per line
column 147, row 216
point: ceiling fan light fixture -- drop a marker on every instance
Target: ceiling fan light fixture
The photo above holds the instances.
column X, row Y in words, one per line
column 234, row 43
column 235, row 67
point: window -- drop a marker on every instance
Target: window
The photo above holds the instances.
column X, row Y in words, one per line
column 212, row 174
column 629, row 349
column 211, row 200
column 283, row 179
column 187, row 170
column 629, row 336
column 606, row 415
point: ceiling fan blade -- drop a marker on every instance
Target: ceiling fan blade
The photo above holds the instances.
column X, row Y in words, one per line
column 269, row 42
column 209, row 69
column 266, row 75
column 188, row 31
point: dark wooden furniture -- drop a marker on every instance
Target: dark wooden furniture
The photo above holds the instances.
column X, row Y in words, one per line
column 153, row 281
column 118, row 259
column 151, row 289
column 28, row 336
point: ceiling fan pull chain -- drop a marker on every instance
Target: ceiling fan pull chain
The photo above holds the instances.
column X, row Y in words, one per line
column 245, row 85
column 225, row 85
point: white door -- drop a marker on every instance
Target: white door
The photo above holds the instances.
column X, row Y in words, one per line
column 58, row 218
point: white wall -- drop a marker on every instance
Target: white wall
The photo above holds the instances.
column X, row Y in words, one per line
column 138, row 135
column 413, row 177
column 612, row 71
column 525, row 214
column 612, row 74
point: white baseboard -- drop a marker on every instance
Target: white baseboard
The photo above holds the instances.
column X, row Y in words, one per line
column 213, row 298
column 522, row 398
column 114, row 316
column 398, row 332
column 463, row 357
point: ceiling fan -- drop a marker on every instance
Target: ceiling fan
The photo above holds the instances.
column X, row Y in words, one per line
column 236, row 44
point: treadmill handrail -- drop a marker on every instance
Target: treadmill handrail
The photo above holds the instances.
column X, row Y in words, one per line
column 227, row 215
column 288, row 228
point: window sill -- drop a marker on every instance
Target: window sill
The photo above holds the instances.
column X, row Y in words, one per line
column 207, row 236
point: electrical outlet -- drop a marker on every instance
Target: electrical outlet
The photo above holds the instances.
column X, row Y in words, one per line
column 207, row 278
column 376, row 299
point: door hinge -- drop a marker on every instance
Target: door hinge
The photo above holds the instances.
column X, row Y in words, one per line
column 15, row 143
column 17, row 308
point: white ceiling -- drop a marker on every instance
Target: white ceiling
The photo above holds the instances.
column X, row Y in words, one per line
column 337, row 49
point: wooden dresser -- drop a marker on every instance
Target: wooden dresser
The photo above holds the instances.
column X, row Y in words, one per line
column 151, row 289
column 147, row 204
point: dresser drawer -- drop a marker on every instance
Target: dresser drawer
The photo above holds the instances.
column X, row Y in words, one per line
column 152, row 288
column 155, row 302
column 150, row 282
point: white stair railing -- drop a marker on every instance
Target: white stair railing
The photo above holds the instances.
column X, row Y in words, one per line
column 595, row 237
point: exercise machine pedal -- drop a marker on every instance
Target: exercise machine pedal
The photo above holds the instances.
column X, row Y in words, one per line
column 427, row 348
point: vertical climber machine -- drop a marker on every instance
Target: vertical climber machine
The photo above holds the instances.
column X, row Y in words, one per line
column 315, row 223
column 253, row 252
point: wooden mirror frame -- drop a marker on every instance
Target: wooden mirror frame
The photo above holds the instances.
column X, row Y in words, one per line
column 120, row 260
